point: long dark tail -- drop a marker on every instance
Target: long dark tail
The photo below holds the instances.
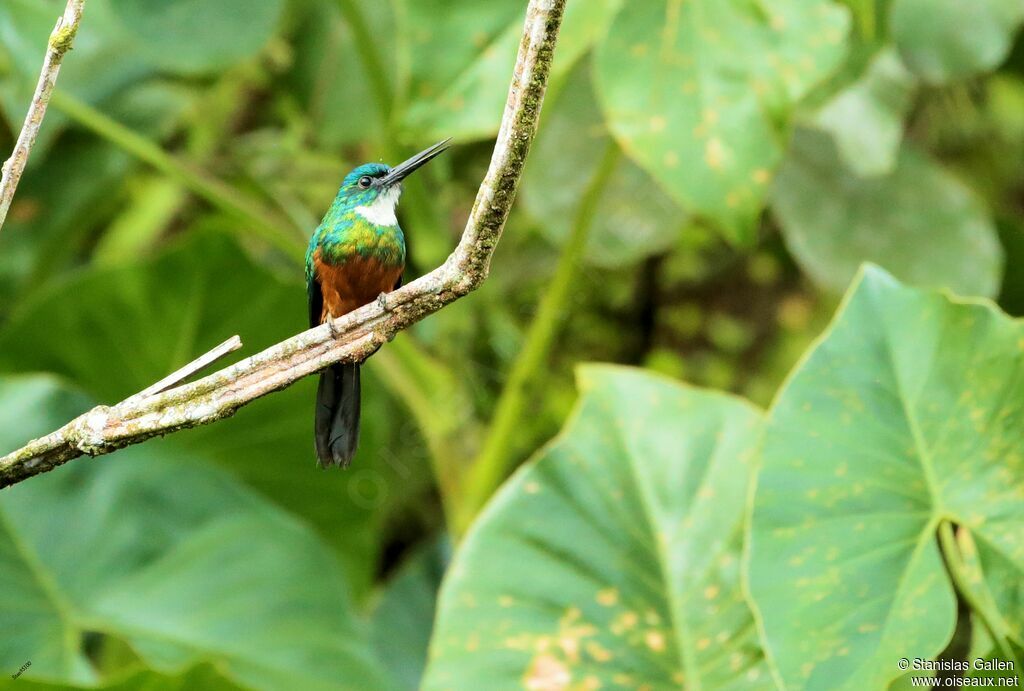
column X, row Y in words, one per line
column 337, row 415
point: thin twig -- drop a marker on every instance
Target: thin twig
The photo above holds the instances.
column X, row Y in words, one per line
column 61, row 39
column 214, row 397
column 180, row 375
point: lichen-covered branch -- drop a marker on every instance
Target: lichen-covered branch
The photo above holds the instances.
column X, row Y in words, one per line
column 219, row 395
column 60, row 43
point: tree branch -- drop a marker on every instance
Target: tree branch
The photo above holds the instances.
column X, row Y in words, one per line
column 104, row 429
column 60, row 43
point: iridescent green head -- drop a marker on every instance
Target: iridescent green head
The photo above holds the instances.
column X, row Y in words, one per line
column 373, row 188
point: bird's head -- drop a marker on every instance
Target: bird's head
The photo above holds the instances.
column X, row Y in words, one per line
column 372, row 189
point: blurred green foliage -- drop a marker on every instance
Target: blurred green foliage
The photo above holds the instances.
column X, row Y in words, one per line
column 757, row 154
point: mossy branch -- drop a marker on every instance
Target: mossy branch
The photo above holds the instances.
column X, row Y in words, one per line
column 217, row 396
column 61, row 40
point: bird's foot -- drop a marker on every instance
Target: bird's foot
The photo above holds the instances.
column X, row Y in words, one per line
column 333, row 329
column 382, row 301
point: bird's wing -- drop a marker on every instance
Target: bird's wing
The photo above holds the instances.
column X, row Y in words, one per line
column 316, row 299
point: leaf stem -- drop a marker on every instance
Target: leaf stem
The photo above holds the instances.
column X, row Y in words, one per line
column 867, row 19
column 980, row 605
column 260, row 220
column 498, row 455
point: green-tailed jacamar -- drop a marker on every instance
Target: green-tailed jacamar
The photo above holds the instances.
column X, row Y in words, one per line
column 356, row 255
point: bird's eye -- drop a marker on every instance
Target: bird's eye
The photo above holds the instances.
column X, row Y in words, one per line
column 365, row 181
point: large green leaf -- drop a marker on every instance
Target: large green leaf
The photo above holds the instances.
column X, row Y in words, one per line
column 943, row 40
column 194, row 36
column 919, row 221
column 866, row 118
column 461, row 58
column 116, row 331
column 174, row 558
column 719, row 78
column 906, row 413
column 634, row 219
column 612, row 559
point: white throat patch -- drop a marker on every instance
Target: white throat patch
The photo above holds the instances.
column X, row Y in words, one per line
column 382, row 211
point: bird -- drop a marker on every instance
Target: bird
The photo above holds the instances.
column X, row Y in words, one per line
column 355, row 256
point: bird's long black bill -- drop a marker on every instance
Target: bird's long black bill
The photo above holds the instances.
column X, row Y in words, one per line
column 406, row 168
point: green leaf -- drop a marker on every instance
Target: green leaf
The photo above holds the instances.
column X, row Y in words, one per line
column 217, row 33
column 919, row 221
column 720, row 80
column 463, row 51
column 634, row 219
column 404, row 616
column 116, row 331
column 944, row 40
column 866, row 119
column 174, row 558
column 613, row 558
column 907, row 412
column 1003, row 588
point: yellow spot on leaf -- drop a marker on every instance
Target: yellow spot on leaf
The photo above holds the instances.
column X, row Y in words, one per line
column 547, row 673
column 597, row 652
column 655, row 640
column 714, row 154
column 608, row 597
column 570, row 645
